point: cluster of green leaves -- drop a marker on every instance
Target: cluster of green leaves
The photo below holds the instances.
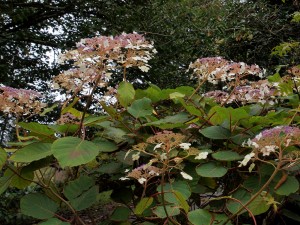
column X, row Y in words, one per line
column 74, row 170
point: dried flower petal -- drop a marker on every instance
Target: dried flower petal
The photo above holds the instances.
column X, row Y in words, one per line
column 185, row 146
column 186, row 176
column 202, row 155
column 20, row 101
column 246, row 159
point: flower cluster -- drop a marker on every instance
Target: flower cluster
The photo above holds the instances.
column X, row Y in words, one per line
column 166, row 140
column 218, row 69
column 257, row 92
column 219, row 96
column 143, row 173
column 260, row 91
column 271, row 140
column 295, row 71
column 95, row 59
column 167, row 151
column 20, row 101
column 68, row 118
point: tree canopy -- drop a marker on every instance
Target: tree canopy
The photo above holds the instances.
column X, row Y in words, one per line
column 182, row 30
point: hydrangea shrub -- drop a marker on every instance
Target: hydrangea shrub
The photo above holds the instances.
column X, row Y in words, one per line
column 165, row 156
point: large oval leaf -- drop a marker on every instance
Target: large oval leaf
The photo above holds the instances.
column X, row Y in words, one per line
column 171, row 210
column 76, row 187
column 38, row 206
column 32, row 152
column 121, row 213
column 181, row 201
column 234, row 206
column 211, row 169
column 126, row 93
column 260, row 204
column 290, row 186
column 199, row 217
column 86, row 199
column 110, row 167
column 180, row 186
column 140, row 108
column 226, row 156
column 72, row 151
column 105, row 145
column 203, row 217
column 215, row 132
column 143, row 205
column 23, row 179
column 38, row 129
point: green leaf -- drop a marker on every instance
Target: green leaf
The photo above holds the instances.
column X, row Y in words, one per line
column 5, row 180
column 66, row 109
column 191, row 109
column 220, row 218
column 243, row 196
column 226, row 156
column 64, row 128
column 121, row 213
column 211, row 169
column 20, row 144
column 175, row 95
column 48, row 109
column 291, row 185
column 110, row 110
column 220, row 114
column 86, row 199
column 110, row 167
column 32, row 152
column 204, row 217
column 120, row 156
column 72, row 151
column 112, row 132
column 200, row 217
column 126, row 93
column 180, row 186
column 35, row 165
column 215, row 132
column 24, row 178
column 153, row 92
column 37, row 128
column 254, row 183
column 90, row 120
column 3, row 157
column 143, row 204
column 76, row 187
column 78, row 114
column 54, row 221
column 181, row 200
column 284, row 48
column 38, row 206
column 105, row 145
column 275, row 78
column 140, row 108
column 259, row 205
column 168, row 122
column 171, row 210
column 186, row 90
